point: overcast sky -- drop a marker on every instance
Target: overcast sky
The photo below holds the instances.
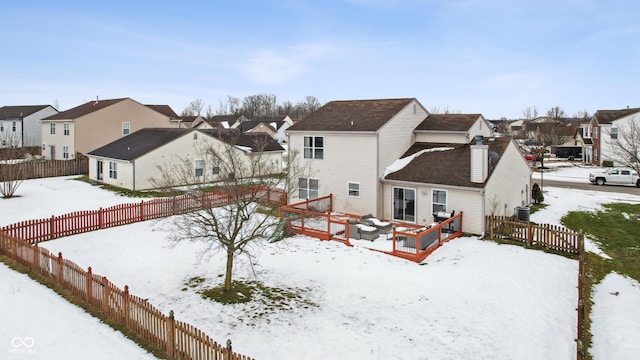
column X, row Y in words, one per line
column 495, row 57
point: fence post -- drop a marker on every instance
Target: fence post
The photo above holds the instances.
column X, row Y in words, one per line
column 171, row 336
column 529, row 234
column 142, row 210
column 35, row 263
column 88, row 285
column 105, row 295
column 125, row 306
column 51, row 228
column 100, row 212
column 60, row 274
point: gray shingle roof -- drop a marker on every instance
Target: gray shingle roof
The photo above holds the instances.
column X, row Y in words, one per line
column 352, row 115
column 83, row 109
column 18, row 112
column 448, row 122
column 607, row 116
column 146, row 140
column 449, row 167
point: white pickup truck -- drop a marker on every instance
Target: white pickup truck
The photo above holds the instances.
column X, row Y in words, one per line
column 615, row 176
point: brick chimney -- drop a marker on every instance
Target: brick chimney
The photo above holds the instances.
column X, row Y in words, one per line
column 479, row 161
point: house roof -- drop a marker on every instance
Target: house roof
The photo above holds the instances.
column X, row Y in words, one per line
column 256, row 141
column 83, row 109
column 352, row 115
column 607, row 116
column 139, row 143
column 18, row 112
column 92, row 106
column 164, row 110
column 228, row 118
column 445, row 167
column 145, row 140
column 251, row 124
column 448, row 122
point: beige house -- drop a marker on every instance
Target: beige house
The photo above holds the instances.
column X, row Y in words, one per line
column 97, row 123
column 133, row 161
column 392, row 159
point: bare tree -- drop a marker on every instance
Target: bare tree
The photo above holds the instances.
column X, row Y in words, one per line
column 624, row 143
column 195, row 108
column 530, row 113
column 556, row 113
column 11, row 170
column 246, row 217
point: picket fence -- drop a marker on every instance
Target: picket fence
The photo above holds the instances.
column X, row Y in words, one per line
column 34, row 231
column 552, row 237
column 34, row 169
column 174, row 339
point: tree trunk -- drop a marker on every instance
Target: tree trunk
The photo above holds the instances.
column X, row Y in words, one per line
column 229, row 271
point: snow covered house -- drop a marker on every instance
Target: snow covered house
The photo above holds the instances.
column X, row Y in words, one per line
column 275, row 126
column 133, row 161
column 391, row 158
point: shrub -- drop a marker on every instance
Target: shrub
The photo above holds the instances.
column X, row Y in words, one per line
column 607, row 163
column 536, row 194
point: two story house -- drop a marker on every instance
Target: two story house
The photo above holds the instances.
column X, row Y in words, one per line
column 392, row 159
column 606, row 128
column 96, row 123
column 20, row 125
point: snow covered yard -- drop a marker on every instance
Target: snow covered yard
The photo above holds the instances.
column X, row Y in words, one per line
column 470, row 299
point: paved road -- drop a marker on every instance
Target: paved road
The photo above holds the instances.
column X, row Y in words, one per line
column 588, row 186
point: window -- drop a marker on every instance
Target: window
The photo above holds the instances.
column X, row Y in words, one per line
column 52, row 128
column 1, row 125
column 438, row 200
column 199, row 166
column 215, row 167
column 314, row 147
column 595, row 154
column 354, row 189
column 65, row 152
column 113, row 170
column 67, row 130
column 13, row 126
column 614, row 133
column 307, row 188
column 404, row 204
column 595, row 132
column 126, row 128
column 625, row 172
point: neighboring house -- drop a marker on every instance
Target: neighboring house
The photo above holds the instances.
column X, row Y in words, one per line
column 355, row 151
column 133, row 161
column 275, row 126
column 20, row 125
column 191, row 121
column 606, row 125
column 97, row 123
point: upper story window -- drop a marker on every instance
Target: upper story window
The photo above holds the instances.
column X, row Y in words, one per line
column 1, row 126
column 614, row 133
column 13, row 126
column 595, row 132
column 215, row 167
column 314, row 147
column 126, row 128
column 52, row 128
column 67, row 128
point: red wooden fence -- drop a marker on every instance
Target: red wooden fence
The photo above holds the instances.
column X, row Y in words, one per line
column 35, row 231
column 176, row 339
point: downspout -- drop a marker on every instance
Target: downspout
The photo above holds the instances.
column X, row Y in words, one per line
column 133, row 163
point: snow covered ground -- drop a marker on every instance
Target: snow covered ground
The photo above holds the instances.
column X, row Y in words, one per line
column 470, row 299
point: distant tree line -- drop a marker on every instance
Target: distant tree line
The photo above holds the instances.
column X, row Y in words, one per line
column 254, row 106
